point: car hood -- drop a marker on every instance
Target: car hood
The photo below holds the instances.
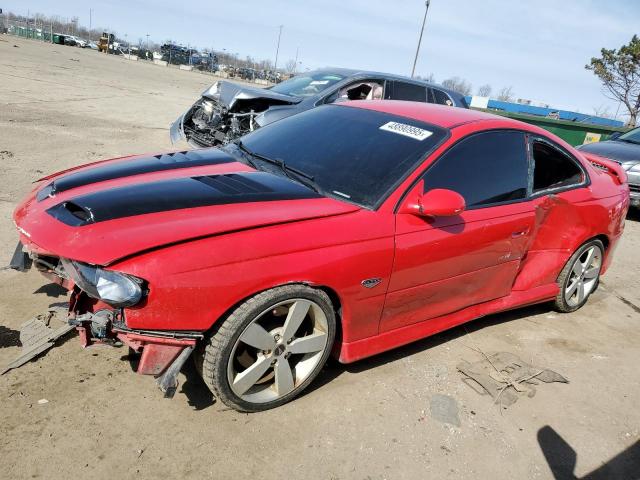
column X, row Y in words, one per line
column 229, row 94
column 622, row 152
column 107, row 211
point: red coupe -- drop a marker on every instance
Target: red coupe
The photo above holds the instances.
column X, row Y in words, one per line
column 348, row 229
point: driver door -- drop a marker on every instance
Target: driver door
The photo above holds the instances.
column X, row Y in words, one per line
column 445, row 264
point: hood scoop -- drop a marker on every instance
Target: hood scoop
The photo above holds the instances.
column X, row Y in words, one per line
column 73, row 214
column 176, row 194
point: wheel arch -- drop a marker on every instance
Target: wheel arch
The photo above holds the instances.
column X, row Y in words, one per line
column 603, row 238
column 333, row 295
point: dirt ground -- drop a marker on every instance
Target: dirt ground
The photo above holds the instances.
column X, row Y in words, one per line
column 376, row 419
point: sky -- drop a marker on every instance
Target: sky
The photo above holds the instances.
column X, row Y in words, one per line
column 539, row 47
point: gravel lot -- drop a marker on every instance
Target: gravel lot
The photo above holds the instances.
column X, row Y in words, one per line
column 62, row 106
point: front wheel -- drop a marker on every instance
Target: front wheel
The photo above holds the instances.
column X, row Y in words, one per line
column 580, row 277
column 270, row 348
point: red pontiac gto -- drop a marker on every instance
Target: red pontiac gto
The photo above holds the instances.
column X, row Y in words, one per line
column 351, row 228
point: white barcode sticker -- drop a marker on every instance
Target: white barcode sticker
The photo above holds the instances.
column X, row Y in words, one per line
column 406, row 130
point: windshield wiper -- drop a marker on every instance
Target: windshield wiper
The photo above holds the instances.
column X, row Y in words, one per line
column 628, row 140
column 300, row 176
column 249, row 153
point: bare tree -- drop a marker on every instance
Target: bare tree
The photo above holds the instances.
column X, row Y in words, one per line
column 619, row 72
column 290, row 66
column 602, row 111
column 428, row 78
column 484, row 90
column 457, row 85
column 506, row 94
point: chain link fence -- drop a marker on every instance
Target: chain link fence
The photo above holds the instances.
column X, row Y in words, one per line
column 34, row 30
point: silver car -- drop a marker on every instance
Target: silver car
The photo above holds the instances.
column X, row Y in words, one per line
column 625, row 150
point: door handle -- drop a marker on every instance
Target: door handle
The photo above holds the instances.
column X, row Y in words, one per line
column 520, row 233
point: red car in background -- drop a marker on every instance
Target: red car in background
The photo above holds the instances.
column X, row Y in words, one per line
column 348, row 229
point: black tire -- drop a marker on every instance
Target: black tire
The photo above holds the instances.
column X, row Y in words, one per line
column 560, row 302
column 218, row 347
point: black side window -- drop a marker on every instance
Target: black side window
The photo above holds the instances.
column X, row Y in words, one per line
column 405, row 91
column 486, row 168
column 442, row 98
column 553, row 168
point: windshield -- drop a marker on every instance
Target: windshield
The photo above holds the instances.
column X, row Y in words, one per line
column 631, row 136
column 307, row 84
column 349, row 153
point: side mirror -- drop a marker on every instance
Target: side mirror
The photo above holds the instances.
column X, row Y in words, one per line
column 438, row 202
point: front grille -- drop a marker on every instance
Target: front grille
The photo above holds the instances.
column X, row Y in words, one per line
column 634, row 188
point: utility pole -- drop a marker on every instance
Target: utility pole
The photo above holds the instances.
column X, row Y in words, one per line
column 295, row 69
column 90, row 24
column 424, row 20
column 275, row 65
column 147, row 43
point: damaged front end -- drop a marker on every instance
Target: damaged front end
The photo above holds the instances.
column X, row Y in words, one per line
column 226, row 111
column 97, row 310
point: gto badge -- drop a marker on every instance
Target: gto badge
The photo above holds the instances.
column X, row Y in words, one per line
column 371, row 282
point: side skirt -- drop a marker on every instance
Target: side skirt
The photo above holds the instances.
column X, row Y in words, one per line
column 353, row 351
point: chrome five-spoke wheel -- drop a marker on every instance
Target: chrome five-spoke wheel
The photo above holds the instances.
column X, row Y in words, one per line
column 583, row 276
column 278, row 350
column 580, row 276
column 270, row 348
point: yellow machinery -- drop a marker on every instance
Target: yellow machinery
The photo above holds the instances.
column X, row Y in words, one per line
column 105, row 40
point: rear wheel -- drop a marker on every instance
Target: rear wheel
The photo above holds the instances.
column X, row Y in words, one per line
column 580, row 276
column 270, row 348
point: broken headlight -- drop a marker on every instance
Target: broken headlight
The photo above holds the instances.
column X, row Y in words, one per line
column 115, row 288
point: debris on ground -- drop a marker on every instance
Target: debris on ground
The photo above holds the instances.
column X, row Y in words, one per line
column 40, row 334
column 506, row 377
column 444, row 409
column 43, row 401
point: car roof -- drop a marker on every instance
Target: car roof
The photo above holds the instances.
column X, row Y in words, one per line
column 440, row 115
column 350, row 72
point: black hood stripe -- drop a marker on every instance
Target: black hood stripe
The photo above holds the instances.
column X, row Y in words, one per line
column 178, row 193
column 155, row 163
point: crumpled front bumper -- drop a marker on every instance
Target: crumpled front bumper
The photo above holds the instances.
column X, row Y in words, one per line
column 162, row 353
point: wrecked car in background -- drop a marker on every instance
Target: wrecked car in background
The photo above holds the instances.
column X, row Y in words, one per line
column 349, row 229
column 623, row 149
column 228, row 110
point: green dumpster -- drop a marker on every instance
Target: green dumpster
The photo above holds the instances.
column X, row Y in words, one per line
column 574, row 133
